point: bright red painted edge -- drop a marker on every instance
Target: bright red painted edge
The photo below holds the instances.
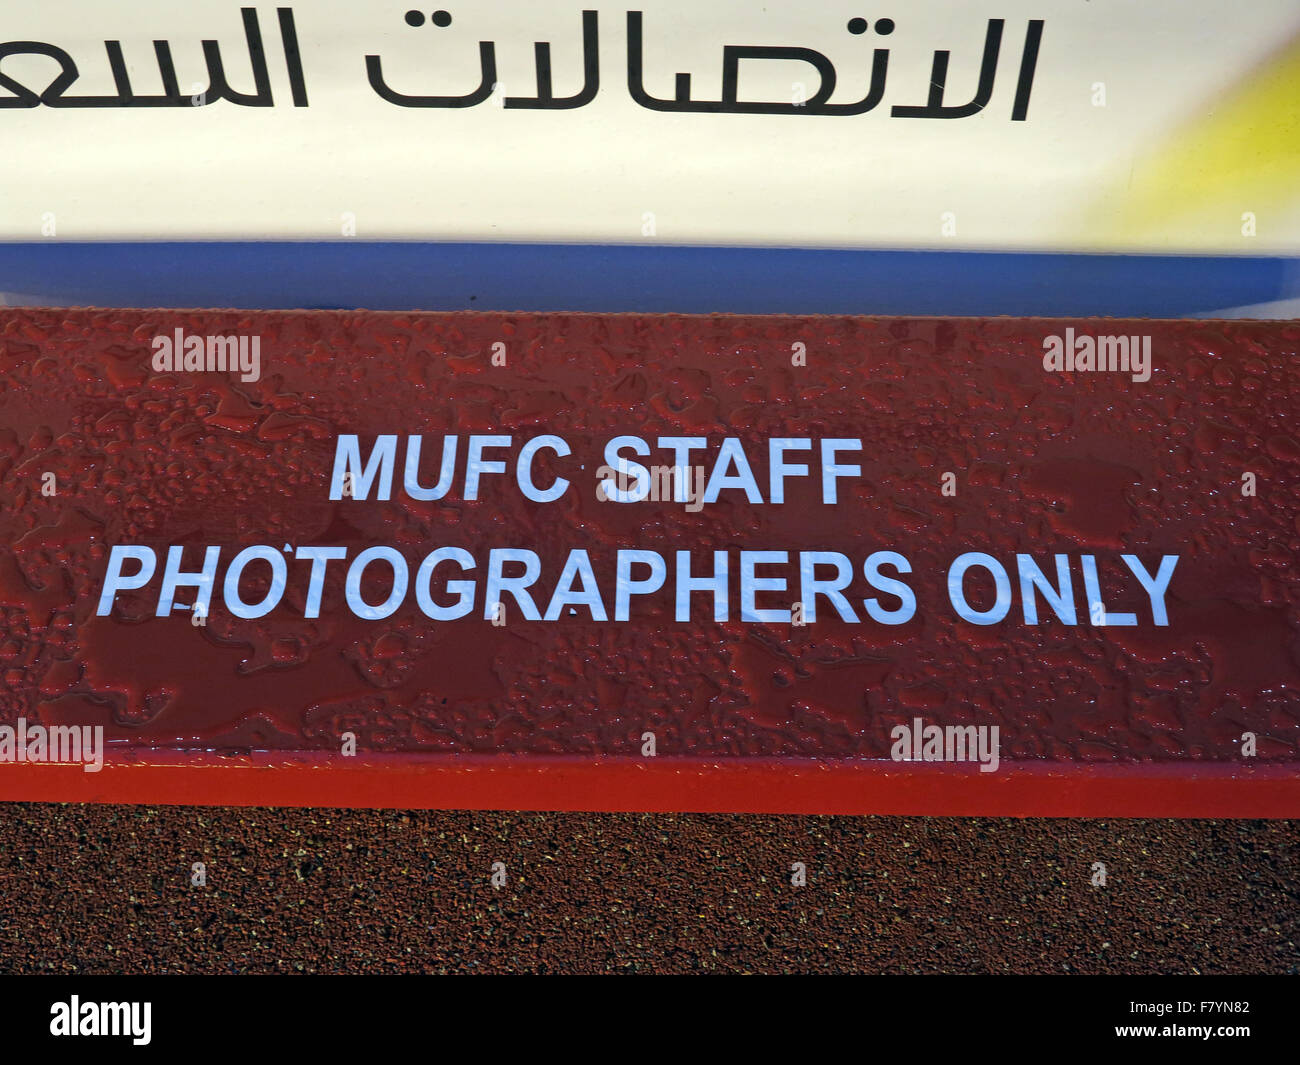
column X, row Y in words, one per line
column 671, row 785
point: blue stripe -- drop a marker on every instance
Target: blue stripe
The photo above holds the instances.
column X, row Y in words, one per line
column 549, row 277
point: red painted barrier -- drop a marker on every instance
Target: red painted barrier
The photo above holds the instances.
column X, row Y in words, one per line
column 882, row 565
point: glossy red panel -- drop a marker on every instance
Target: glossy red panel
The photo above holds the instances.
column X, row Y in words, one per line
column 1118, row 681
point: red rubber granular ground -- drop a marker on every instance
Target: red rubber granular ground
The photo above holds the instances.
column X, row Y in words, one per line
column 106, row 889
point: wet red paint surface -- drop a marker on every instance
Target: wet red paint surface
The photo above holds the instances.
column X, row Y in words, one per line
column 1081, row 464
